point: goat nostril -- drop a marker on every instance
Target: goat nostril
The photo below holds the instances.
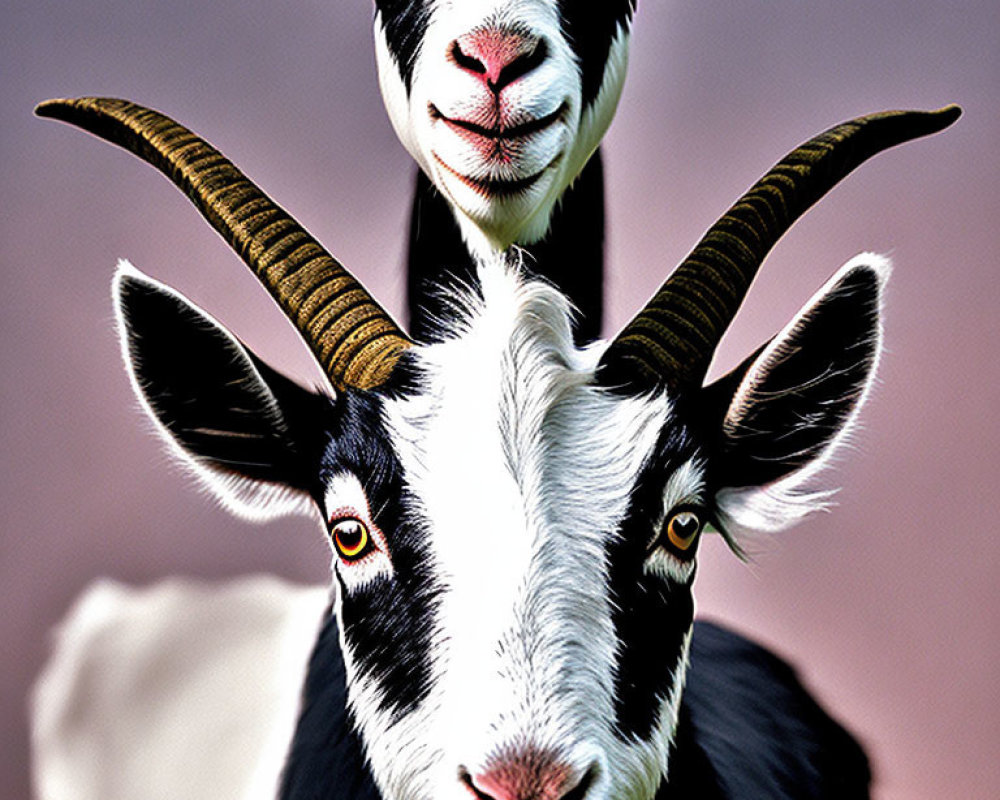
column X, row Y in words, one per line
column 579, row 792
column 468, row 62
column 523, row 780
column 466, row 778
column 500, row 56
column 521, row 65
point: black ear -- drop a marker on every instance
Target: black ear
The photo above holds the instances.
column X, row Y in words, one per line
column 250, row 434
column 792, row 401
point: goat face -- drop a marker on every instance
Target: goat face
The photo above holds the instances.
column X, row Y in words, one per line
column 501, row 102
column 514, row 521
column 513, row 553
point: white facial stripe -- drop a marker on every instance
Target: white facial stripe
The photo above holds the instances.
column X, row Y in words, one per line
column 344, row 493
column 524, row 471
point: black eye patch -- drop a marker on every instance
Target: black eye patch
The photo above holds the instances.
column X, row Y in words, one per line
column 651, row 616
column 389, row 625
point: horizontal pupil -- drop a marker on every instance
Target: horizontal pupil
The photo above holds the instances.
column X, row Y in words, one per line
column 682, row 529
column 350, row 535
column 351, row 538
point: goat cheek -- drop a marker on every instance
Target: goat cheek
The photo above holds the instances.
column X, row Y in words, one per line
column 651, row 620
column 388, row 627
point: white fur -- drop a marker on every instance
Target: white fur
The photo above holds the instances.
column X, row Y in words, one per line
column 561, row 150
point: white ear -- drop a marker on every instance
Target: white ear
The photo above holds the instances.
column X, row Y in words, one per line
column 218, row 408
column 798, row 400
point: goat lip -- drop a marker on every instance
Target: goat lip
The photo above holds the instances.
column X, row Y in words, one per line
column 497, row 188
column 500, row 132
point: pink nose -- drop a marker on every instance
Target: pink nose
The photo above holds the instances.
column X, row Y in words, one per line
column 529, row 775
column 500, row 56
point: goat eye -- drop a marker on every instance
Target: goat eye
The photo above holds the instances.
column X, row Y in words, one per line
column 350, row 537
column 682, row 530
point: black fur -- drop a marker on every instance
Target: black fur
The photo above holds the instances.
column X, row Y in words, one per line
column 746, row 715
column 389, row 623
column 806, row 396
column 200, row 386
column 651, row 616
column 590, row 28
column 326, row 760
column 571, row 256
column 405, row 24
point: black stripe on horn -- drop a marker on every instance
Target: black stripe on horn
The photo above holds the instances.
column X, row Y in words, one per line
column 356, row 341
column 671, row 341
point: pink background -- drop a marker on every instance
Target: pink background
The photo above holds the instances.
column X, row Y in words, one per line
column 889, row 604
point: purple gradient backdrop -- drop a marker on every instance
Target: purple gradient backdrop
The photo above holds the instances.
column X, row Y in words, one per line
column 889, row 604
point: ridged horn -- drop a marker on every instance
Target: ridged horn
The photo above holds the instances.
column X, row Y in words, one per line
column 671, row 341
column 356, row 341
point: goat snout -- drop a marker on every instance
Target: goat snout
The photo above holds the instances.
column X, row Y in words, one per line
column 530, row 775
column 500, row 56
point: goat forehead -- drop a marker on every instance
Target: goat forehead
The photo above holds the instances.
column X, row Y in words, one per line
column 523, row 471
column 510, row 445
column 470, row 13
column 406, row 24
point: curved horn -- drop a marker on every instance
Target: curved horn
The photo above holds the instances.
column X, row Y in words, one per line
column 355, row 340
column 671, row 341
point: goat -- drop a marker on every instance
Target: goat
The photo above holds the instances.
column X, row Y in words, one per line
column 514, row 521
column 502, row 104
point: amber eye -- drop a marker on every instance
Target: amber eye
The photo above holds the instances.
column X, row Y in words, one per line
column 350, row 536
column 682, row 529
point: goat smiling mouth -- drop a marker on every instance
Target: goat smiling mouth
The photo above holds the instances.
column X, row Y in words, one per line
column 498, row 187
column 500, row 131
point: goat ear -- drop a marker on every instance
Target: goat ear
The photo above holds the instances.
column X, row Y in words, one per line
column 795, row 399
column 222, row 411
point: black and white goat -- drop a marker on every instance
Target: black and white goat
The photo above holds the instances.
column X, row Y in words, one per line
column 514, row 521
column 503, row 103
